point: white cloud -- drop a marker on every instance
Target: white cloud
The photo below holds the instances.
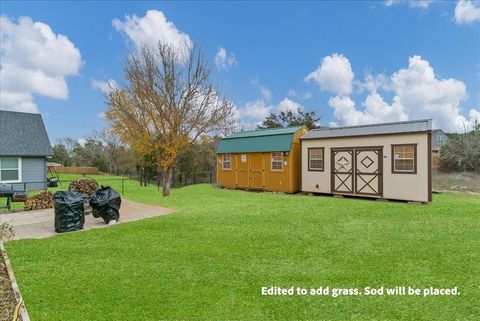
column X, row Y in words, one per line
column 474, row 118
column 151, row 29
column 101, row 115
column 418, row 94
column 34, row 60
column 422, row 4
column 223, row 60
column 423, row 95
column 104, row 86
column 304, row 96
column 334, row 74
column 376, row 111
column 258, row 110
column 288, row 105
column 255, row 110
column 17, row 101
column 373, row 82
column 81, row 141
column 307, row 95
column 264, row 91
column 467, row 11
column 292, row 92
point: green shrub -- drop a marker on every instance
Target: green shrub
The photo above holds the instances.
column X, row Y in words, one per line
column 462, row 152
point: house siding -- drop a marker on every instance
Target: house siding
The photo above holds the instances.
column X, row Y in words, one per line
column 34, row 173
column 435, row 146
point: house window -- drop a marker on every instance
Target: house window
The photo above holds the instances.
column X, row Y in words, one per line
column 226, row 163
column 440, row 139
column 315, row 159
column 404, row 159
column 10, row 169
column 243, row 158
column 277, row 161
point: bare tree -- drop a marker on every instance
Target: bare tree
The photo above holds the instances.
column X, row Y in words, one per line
column 112, row 147
column 168, row 102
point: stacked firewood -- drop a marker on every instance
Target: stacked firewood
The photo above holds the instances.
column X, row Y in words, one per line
column 86, row 186
column 39, row 201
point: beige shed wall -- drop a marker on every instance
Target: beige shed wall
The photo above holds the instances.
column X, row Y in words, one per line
column 412, row 187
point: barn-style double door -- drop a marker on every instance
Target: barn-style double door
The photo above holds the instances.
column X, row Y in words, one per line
column 250, row 172
column 357, row 171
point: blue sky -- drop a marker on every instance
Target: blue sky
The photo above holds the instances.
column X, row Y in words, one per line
column 351, row 62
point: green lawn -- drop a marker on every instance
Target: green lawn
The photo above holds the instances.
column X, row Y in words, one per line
column 209, row 260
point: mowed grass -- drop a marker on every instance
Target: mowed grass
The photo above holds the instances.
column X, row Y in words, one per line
column 209, row 260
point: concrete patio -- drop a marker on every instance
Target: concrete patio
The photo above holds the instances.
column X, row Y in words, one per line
column 40, row 223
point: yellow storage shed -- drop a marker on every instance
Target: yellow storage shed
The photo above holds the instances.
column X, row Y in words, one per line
column 266, row 159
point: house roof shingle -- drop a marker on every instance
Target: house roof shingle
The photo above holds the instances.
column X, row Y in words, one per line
column 373, row 129
column 23, row 134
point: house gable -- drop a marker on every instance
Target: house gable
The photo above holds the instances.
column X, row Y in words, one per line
column 23, row 134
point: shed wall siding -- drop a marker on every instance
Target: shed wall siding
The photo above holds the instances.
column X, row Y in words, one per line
column 34, row 172
column 412, row 187
column 287, row 180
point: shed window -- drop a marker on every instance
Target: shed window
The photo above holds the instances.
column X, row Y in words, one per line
column 315, row 159
column 277, row 161
column 243, row 158
column 226, row 163
column 404, row 158
column 10, row 169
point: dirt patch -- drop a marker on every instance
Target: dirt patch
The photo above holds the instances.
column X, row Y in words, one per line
column 7, row 297
column 459, row 182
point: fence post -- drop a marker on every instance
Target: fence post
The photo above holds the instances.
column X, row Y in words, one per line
column 194, row 180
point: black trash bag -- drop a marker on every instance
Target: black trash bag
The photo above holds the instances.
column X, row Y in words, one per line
column 105, row 203
column 69, row 211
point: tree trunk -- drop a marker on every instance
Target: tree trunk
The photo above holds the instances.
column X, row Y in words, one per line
column 145, row 176
column 166, row 175
column 139, row 174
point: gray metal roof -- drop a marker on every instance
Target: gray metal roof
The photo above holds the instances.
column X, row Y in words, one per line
column 23, row 134
column 438, row 130
column 411, row 126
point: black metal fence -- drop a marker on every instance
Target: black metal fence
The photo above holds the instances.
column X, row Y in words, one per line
column 178, row 180
column 62, row 184
column 181, row 179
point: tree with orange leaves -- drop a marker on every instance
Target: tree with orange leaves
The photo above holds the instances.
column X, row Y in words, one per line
column 167, row 103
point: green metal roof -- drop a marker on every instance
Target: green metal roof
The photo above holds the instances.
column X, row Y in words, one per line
column 266, row 140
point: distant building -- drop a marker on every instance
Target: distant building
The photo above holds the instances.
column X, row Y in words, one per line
column 24, row 148
column 439, row 138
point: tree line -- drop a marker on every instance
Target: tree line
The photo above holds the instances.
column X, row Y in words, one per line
column 105, row 151
column 461, row 152
column 165, row 118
